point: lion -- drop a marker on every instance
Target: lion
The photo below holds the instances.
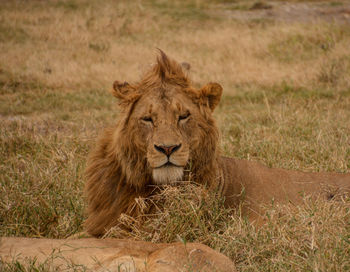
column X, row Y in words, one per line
column 92, row 254
column 166, row 130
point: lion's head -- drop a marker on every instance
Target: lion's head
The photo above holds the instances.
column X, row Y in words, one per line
column 167, row 123
column 165, row 126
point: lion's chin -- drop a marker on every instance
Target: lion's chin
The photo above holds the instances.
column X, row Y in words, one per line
column 167, row 174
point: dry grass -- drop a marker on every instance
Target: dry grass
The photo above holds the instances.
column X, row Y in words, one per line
column 286, row 103
column 310, row 237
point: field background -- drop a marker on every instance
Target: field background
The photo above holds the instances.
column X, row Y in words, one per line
column 285, row 70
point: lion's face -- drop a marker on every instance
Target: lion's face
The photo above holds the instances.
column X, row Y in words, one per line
column 167, row 122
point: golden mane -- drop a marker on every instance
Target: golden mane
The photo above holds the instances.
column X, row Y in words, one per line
column 165, row 71
column 117, row 169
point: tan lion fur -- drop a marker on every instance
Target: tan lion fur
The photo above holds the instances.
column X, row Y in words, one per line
column 165, row 110
column 92, row 254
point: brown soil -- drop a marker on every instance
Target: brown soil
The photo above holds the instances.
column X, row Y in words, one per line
column 331, row 11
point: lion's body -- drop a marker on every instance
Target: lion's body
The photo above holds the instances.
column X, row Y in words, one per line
column 165, row 128
column 91, row 254
column 254, row 184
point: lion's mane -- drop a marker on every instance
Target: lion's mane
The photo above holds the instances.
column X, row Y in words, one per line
column 117, row 171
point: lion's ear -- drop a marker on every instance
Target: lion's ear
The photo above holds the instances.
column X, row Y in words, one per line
column 185, row 66
column 211, row 94
column 124, row 92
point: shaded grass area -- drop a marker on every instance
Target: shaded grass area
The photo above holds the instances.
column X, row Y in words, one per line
column 286, row 103
column 39, row 101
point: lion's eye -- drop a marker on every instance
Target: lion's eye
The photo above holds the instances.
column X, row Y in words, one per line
column 184, row 116
column 147, row 119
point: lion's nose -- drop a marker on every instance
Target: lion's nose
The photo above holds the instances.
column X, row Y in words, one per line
column 167, row 149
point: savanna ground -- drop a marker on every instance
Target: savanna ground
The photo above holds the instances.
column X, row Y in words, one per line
column 286, row 103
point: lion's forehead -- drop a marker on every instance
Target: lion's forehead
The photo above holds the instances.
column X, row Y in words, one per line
column 169, row 103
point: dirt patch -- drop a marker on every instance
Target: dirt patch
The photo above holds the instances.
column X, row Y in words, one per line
column 337, row 11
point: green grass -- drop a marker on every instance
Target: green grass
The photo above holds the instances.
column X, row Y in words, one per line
column 50, row 100
column 13, row 34
column 288, row 127
column 181, row 10
column 41, row 183
column 307, row 45
column 32, row 265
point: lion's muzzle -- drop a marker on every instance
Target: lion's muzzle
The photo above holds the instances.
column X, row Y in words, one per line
column 167, row 162
column 167, row 149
